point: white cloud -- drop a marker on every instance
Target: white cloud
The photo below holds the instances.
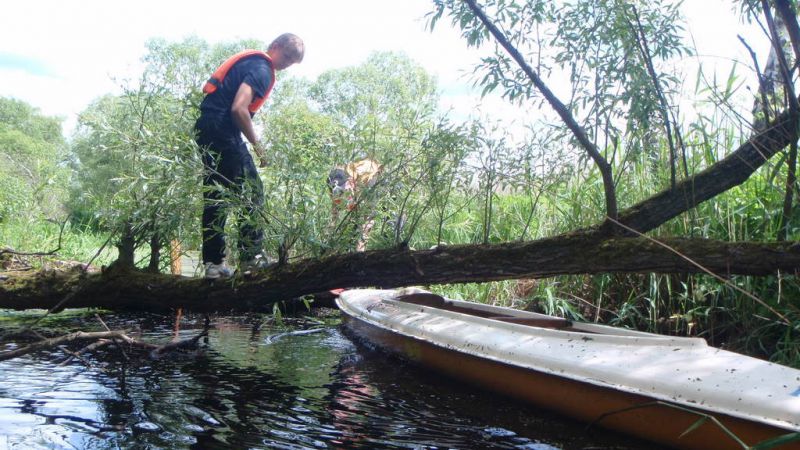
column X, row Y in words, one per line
column 86, row 42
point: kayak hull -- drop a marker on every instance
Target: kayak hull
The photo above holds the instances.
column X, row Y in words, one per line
column 643, row 416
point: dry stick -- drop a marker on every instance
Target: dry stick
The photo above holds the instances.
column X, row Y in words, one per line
column 70, row 355
column 101, row 336
column 92, row 346
column 558, row 106
column 704, row 269
column 124, row 354
column 186, row 343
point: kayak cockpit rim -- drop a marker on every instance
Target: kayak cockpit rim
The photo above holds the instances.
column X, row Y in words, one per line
column 541, row 322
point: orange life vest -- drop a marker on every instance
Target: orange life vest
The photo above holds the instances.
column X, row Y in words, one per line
column 219, row 76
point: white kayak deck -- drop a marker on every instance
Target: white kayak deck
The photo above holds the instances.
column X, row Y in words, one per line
column 683, row 371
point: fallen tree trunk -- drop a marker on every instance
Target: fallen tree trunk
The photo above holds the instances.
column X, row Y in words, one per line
column 585, row 252
column 577, row 253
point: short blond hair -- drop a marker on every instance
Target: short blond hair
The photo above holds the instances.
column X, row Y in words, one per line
column 291, row 45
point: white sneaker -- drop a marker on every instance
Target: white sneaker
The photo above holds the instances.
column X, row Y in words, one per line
column 214, row 271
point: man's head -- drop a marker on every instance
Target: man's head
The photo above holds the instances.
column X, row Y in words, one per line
column 285, row 50
column 337, row 181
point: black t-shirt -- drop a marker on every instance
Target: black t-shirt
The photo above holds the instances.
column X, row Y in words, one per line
column 253, row 70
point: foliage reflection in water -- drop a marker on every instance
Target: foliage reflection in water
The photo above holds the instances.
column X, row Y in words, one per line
column 254, row 385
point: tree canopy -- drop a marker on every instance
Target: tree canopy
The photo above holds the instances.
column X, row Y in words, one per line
column 32, row 150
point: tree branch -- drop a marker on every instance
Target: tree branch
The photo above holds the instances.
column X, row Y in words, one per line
column 558, row 106
column 52, row 342
column 4, row 251
column 725, row 174
column 102, row 338
column 789, row 17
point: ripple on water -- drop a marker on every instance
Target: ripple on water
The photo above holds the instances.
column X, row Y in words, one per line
column 301, row 390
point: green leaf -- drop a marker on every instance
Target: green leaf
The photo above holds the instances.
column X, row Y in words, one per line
column 777, row 442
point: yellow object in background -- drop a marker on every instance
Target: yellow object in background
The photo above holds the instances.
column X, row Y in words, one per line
column 364, row 172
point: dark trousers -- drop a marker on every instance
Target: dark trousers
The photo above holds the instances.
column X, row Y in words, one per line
column 230, row 181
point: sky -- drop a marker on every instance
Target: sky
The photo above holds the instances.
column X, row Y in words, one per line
column 59, row 55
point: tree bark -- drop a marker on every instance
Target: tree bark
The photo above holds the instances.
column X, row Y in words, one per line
column 576, row 253
column 789, row 19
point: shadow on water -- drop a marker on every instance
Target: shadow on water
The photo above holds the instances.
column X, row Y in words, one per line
column 254, row 385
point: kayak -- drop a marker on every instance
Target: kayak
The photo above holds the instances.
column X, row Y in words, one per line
column 675, row 391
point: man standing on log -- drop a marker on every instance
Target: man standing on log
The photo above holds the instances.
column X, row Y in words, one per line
column 235, row 91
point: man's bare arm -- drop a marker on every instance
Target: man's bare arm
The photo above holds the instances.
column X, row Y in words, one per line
column 241, row 117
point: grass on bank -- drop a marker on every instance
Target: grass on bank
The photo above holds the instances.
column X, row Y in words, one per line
column 30, row 235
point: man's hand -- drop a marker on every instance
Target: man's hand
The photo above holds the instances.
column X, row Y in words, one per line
column 262, row 155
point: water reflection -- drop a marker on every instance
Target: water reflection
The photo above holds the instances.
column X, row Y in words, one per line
column 255, row 385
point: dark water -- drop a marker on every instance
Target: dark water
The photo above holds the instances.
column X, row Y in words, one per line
column 251, row 385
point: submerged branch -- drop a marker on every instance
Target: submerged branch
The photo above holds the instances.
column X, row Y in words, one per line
column 102, row 338
column 53, row 342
